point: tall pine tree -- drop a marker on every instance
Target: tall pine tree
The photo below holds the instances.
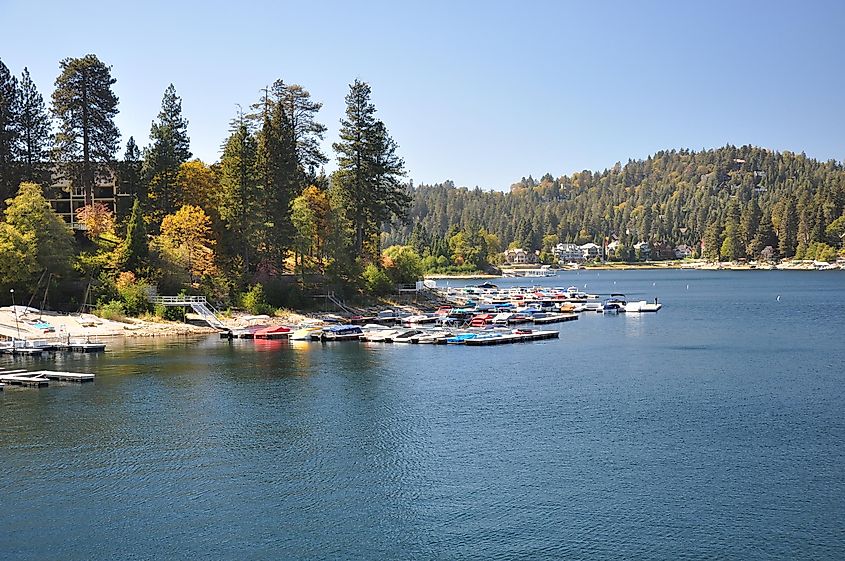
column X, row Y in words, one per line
column 240, row 194
column 9, row 110
column 85, row 106
column 169, row 149
column 33, row 129
column 368, row 169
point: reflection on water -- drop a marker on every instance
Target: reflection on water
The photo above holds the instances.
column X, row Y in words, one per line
column 711, row 429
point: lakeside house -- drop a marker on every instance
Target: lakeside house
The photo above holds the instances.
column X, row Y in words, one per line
column 568, row 253
column 683, row 251
column 67, row 197
column 519, row 256
column 591, row 251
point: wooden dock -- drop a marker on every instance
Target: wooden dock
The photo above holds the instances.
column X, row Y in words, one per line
column 512, row 338
column 555, row 318
column 41, row 378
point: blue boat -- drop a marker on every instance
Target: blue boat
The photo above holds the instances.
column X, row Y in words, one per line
column 460, row 338
column 341, row 333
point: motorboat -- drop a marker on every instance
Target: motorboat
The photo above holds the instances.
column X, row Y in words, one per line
column 345, row 332
column 272, row 332
column 642, row 306
column 406, row 335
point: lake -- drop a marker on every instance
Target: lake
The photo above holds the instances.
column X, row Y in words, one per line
column 713, row 429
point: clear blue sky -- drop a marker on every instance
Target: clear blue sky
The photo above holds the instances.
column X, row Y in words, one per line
column 482, row 93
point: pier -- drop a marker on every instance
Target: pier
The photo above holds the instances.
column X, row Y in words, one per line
column 41, row 378
column 512, row 338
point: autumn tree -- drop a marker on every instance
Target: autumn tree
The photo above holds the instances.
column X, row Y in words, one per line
column 199, row 186
column 85, row 106
column 186, row 242
column 33, row 129
column 168, row 151
column 18, row 261
column 97, row 220
column 31, row 215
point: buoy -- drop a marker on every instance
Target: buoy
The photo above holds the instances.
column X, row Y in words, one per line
column 654, row 284
column 687, row 287
column 778, row 297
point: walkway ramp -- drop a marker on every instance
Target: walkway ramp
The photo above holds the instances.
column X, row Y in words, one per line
column 198, row 304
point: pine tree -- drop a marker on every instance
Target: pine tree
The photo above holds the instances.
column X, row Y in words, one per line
column 85, row 106
column 732, row 247
column 240, row 193
column 749, row 222
column 788, row 230
column 131, row 180
column 368, row 168
column 33, row 129
column 133, row 251
column 169, row 149
column 9, row 111
column 764, row 237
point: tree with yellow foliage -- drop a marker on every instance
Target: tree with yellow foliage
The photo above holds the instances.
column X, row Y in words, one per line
column 185, row 242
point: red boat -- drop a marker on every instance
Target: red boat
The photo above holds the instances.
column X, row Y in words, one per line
column 272, row 332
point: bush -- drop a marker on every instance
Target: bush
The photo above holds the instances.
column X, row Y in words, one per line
column 112, row 310
column 376, row 280
column 254, row 301
column 171, row 313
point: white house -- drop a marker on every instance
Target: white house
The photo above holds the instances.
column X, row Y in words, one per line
column 591, row 251
column 643, row 248
column 568, row 252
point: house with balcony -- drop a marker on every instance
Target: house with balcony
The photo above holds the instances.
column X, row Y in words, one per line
column 591, row 252
column 568, row 253
column 67, row 196
column 519, row 256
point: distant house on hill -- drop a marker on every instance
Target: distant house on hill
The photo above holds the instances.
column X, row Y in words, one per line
column 643, row 249
column 591, row 251
column 768, row 253
column 568, row 253
column 683, row 251
column 519, row 256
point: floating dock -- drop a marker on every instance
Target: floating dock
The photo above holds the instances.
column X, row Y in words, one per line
column 41, row 378
column 512, row 338
column 555, row 318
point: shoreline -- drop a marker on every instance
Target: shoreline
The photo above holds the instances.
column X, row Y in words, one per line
column 657, row 265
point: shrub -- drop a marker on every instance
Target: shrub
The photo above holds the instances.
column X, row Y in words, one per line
column 254, row 301
column 112, row 310
column 376, row 280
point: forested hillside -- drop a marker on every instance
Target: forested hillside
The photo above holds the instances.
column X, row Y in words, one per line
column 737, row 200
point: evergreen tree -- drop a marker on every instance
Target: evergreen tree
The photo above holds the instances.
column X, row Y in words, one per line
column 732, row 247
column 240, row 193
column 712, row 241
column 85, row 106
column 9, row 111
column 33, row 129
column 368, row 169
column 169, row 149
column 131, row 180
column 765, row 236
column 749, row 222
column 787, row 231
column 133, row 252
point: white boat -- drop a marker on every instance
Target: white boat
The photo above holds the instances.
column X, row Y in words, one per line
column 642, row 306
column 406, row 335
column 381, row 335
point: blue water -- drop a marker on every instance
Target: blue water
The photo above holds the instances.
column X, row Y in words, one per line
column 713, row 429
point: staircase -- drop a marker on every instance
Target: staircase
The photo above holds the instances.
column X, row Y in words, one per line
column 198, row 304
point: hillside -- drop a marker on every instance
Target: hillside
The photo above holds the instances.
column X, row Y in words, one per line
column 736, row 199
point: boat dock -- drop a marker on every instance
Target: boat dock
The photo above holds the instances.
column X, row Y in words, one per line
column 512, row 338
column 555, row 318
column 41, row 378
